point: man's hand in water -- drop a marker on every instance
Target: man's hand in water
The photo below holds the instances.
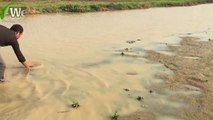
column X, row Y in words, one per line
column 27, row 65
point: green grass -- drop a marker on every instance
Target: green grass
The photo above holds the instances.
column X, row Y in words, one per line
column 52, row 6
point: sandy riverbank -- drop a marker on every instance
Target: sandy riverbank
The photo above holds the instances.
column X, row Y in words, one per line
column 192, row 64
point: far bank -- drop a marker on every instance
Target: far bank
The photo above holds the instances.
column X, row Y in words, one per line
column 82, row 6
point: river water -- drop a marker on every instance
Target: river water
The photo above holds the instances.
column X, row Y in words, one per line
column 81, row 54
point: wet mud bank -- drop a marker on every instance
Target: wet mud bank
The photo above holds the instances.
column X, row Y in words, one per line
column 192, row 65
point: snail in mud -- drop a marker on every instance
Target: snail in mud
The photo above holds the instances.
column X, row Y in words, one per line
column 139, row 98
column 126, row 49
column 130, row 41
column 126, row 89
column 122, row 53
column 115, row 116
column 210, row 40
column 75, row 105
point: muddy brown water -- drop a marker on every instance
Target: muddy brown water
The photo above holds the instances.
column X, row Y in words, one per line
column 81, row 54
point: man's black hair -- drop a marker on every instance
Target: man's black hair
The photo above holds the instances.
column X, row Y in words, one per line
column 17, row 28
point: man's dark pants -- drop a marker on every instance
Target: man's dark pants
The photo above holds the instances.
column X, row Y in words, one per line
column 2, row 67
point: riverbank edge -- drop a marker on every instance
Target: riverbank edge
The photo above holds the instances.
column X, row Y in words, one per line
column 42, row 7
column 192, row 65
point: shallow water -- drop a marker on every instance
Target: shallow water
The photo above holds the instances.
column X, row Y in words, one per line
column 81, row 54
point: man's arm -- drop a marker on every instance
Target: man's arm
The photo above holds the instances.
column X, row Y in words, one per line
column 20, row 56
column 26, row 65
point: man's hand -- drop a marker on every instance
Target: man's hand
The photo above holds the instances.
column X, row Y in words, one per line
column 27, row 65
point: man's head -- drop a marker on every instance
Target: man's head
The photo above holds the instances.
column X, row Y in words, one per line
column 18, row 29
